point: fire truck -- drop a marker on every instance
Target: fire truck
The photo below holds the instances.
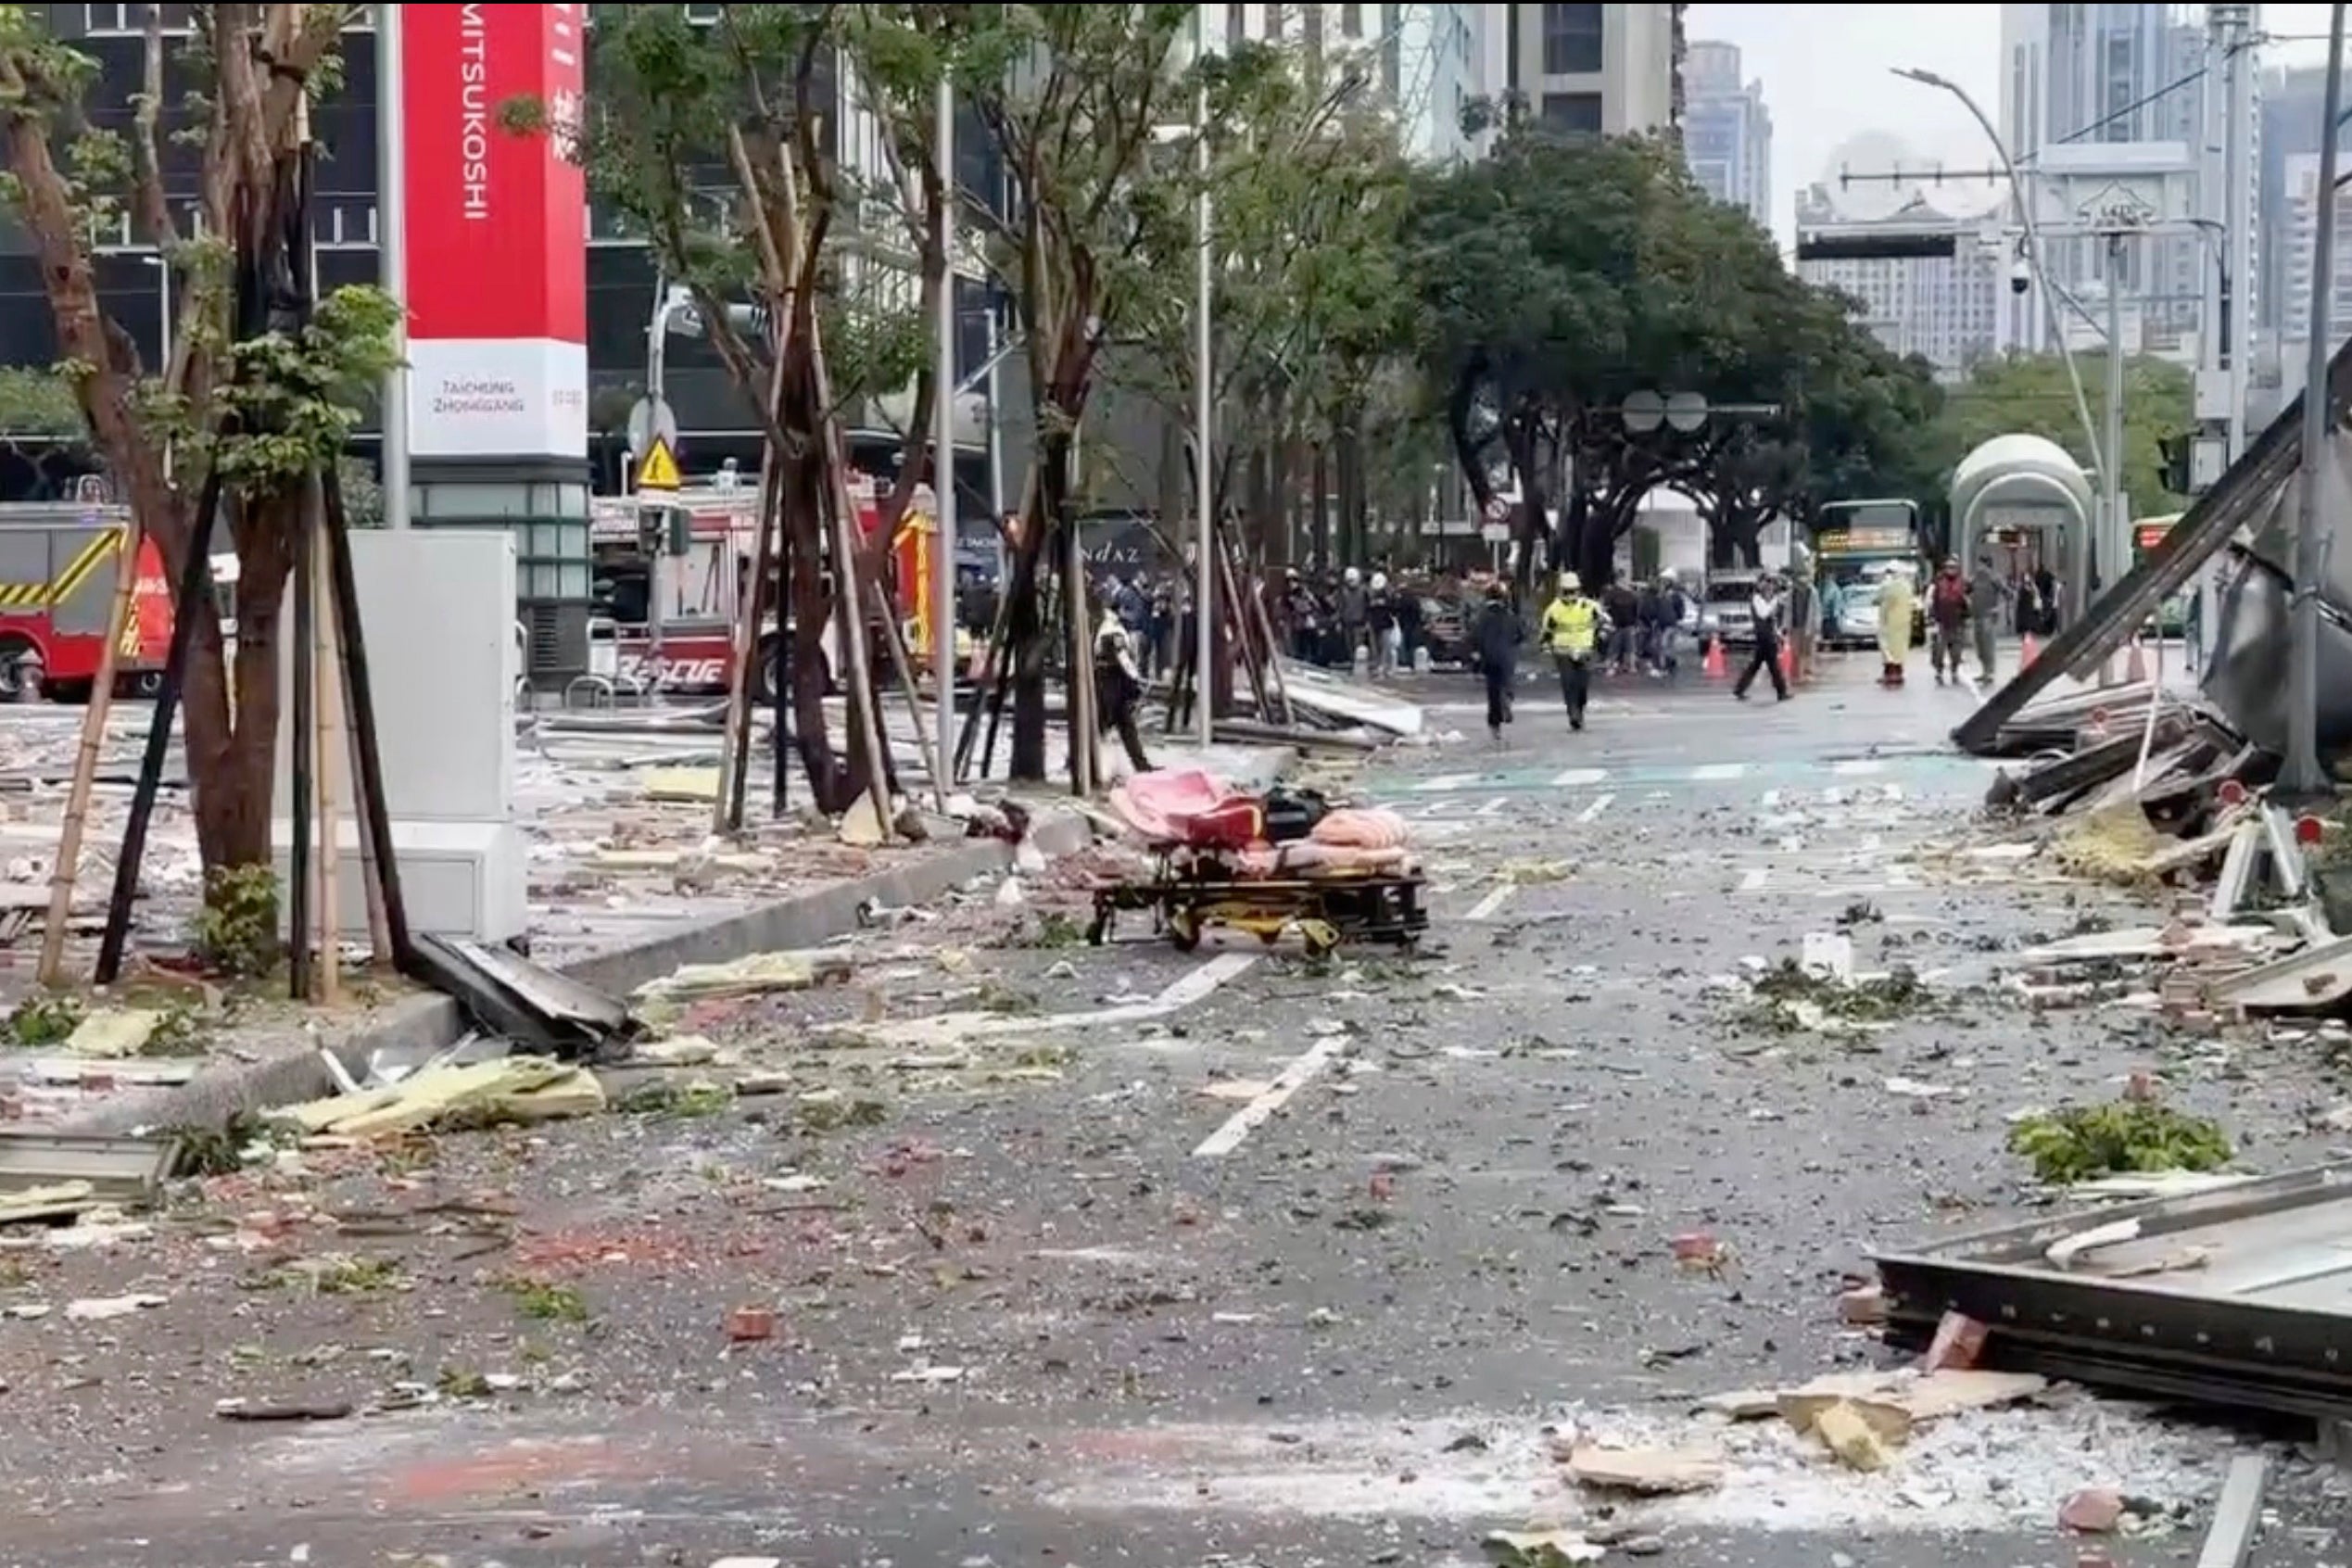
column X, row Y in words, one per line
column 58, row 566
column 670, row 571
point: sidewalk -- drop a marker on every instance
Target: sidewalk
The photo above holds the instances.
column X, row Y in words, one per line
column 625, row 889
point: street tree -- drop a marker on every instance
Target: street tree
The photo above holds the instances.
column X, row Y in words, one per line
column 40, row 421
column 1848, row 419
column 2031, row 394
column 1563, row 276
column 709, row 141
column 266, row 408
column 1071, row 98
column 1309, row 186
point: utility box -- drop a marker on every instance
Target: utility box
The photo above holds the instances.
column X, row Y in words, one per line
column 437, row 608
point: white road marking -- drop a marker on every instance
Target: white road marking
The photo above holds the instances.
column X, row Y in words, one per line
column 1228, row 1138
column 1599, row 803
column 1969, row 681
column 1771, row 801
column 1579, row 777
column 1445, row 782
column 1495, row 898
column 1494, row 807
column 1752, row 879
column 1706, row 772
column 1853, row 767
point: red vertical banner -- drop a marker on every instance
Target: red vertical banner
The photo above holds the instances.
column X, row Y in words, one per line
column 497, row 232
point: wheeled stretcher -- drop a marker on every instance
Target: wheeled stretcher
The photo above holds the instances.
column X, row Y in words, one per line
column 1336, row 881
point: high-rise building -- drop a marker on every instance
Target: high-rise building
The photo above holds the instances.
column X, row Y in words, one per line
column 2112, row 73
column 2300, row 207
column 1606, row 69
column 1428, row 62
column 2291, row 102
column 1944, row 309
column 1727, row 131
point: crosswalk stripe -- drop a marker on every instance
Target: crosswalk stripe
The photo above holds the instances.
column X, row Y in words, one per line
column 1712, row 771
column 1446, row 781
column 1599, row 803
column 1494, row 807
column 1579, row 777
column 1752, row 879
column 1853, row 767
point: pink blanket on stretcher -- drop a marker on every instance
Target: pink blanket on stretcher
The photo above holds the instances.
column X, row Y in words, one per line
column 1350, row 840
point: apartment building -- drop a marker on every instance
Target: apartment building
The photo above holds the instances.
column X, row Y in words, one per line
column 1726, row 132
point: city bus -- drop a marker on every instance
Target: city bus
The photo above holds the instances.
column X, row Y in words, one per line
column 1856, row 544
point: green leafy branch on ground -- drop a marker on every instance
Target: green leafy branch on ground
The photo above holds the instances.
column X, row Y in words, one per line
column 2080, row 1142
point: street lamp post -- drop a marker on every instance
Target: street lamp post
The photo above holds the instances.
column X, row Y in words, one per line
column 2300, row 773
column 2078, row 589
column 943, row 618
column 1204, row 415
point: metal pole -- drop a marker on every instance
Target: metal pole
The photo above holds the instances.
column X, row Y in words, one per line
column 2301, row 773
column 1204, row 437
column 995, row 437
column 163, row 346
column 2033, row 250
column 2238, row 215
column 392, row 254
column 2109, row 563
column 942, row 619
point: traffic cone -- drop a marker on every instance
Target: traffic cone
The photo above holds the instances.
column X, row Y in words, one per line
column 2024, row 655
column 2135, row 668
column 1787, row 660
column 1713, row 666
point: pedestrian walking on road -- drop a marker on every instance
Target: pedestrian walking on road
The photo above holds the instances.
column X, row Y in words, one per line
column 1496, row 636
column 1118, row 685
column 1574, row 627
column 1947, row 615
column 1767, row 607
column 1986, row 597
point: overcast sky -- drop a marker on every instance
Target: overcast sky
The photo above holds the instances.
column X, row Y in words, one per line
column 1827, row 71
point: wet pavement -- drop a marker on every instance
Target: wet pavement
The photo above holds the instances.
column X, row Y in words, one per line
column 1229, row 1259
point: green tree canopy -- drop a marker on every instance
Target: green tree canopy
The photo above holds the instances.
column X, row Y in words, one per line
column 1563, row 276
column 2029, row 393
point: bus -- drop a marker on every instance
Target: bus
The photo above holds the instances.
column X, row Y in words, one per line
column 1856, row 544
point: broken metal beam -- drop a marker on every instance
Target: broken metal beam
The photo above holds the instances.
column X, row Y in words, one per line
column 2237, row 499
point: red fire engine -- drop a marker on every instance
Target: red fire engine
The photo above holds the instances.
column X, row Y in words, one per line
column 58, row 567
column 671, row 570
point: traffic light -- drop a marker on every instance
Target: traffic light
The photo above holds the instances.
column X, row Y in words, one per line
column 2175, row 473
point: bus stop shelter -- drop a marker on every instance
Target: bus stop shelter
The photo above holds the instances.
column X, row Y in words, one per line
column 2028, row 491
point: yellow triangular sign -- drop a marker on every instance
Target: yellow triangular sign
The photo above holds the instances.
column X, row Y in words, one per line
column 658, row 470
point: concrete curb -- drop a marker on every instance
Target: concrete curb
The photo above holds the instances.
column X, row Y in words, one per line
column 429, row 1022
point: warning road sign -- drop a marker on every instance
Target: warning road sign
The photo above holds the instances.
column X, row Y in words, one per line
column 658, row 470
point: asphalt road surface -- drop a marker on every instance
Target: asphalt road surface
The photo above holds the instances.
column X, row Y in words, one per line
column 1254, row 1262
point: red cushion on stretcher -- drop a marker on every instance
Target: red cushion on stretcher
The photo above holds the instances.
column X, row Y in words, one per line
column 1231, row 825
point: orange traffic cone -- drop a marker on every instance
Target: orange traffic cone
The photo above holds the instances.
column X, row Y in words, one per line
column 2135, row 668
column 2024, row 655
column 1711, row 666
column 1787, row 660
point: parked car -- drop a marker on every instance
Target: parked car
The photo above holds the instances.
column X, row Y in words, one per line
column 1727, row 614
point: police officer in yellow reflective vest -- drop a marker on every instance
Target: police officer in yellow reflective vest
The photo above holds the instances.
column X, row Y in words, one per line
column 1575, row 628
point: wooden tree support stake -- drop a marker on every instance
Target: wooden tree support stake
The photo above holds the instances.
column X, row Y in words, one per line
column 85, row 761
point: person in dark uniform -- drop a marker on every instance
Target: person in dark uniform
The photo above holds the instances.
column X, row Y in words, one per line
column 1496, row 636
